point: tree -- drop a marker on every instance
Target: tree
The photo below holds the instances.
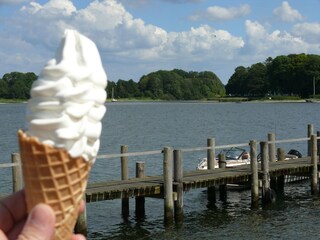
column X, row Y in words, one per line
column 257, row 84
column 286, row 75
column 181, row 85
column 4, row 89
column 19, row 84
column 237, row 84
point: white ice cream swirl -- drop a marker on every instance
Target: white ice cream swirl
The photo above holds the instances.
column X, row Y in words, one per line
column 67, row 100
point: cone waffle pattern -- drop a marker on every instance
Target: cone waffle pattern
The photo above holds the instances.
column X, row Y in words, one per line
column 51, row 176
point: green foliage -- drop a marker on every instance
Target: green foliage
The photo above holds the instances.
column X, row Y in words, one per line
column 16, row 85
column 290, row 75
column 180, row 85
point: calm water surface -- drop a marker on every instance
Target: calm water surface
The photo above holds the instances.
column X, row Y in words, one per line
column 151, row 126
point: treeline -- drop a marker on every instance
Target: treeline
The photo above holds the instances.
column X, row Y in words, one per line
column 167, row 85
column 170, row 85
column 284, row 75
column 16, row 85
column 293, row 75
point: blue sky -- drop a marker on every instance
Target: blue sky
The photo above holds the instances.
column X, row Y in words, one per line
column 136, row 37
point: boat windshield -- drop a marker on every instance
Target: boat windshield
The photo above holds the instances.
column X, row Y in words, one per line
column 233, row 153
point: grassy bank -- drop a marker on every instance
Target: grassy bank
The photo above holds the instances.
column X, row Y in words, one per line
column 2, row 100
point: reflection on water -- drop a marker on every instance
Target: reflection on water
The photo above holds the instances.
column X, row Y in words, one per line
column 294, row 216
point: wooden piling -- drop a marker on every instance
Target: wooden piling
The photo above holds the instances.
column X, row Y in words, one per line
column 314, row 161
column 223, row 187
column 267, row 196
column 310, row 132
column 211, row 163
column 167, row 185
column 272, row 157
column 140, row 200
column 124, row 163
column 280, row 179
column 178, row 178
column 281, row 154
column 17, row 181
column 255, row 177
column 124, row 176
column 272, row 147
column 81, row 226
column 211, row 159
column 318, row 143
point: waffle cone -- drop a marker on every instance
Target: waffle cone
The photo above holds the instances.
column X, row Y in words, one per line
column 51, row 176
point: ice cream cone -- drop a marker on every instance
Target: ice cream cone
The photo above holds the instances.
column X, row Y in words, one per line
column 53, row 177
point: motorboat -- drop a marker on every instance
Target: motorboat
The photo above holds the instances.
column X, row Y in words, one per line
column 236, row 156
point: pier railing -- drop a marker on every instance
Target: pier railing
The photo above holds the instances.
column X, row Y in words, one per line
column 17, row 182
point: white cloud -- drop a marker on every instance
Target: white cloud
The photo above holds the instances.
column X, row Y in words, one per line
column 203, row 42
column 117, row 32
column 51, row 8
column 262, row 43
column 102, row 16
column 310, row 32
column 287, row 14
column 219, row 13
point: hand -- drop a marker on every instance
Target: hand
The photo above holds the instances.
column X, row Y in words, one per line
column 15, row 223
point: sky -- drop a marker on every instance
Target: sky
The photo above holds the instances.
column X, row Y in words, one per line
column 136, row 37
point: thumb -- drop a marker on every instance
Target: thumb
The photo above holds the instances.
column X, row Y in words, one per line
column 39, row 225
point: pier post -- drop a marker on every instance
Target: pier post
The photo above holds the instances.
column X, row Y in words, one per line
column 318, row 143
column 272, row 156
column 272, row 147
column 255, row 177
column 211, row 160
column 81, row 226
column 280, row 179
column 17, row 182
column 310, row 132
column 140, row 200
column 168, row 181
column 314, row 161
column 124, row 176
column 223, row 187
column 267, row 195
column 178, row 178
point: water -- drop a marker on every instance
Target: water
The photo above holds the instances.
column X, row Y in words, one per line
column 151, row 126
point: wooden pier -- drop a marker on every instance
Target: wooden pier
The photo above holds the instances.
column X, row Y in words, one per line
column 265, row 177
column 153, row 186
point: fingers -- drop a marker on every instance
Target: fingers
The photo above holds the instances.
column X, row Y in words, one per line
column 78, row 237
column 2, row 235
column 12, row 210
column 81, row 207
column 39, row 225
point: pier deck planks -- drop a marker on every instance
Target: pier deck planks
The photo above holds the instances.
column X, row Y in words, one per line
column 153, row 186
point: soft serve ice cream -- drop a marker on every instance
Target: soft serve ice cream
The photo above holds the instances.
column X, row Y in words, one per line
column 67, row 100
column 63, row 124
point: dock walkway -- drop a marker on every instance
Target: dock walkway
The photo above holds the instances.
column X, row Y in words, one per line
column 152, row 186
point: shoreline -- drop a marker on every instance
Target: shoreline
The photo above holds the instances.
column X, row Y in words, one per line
column 222, row 100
